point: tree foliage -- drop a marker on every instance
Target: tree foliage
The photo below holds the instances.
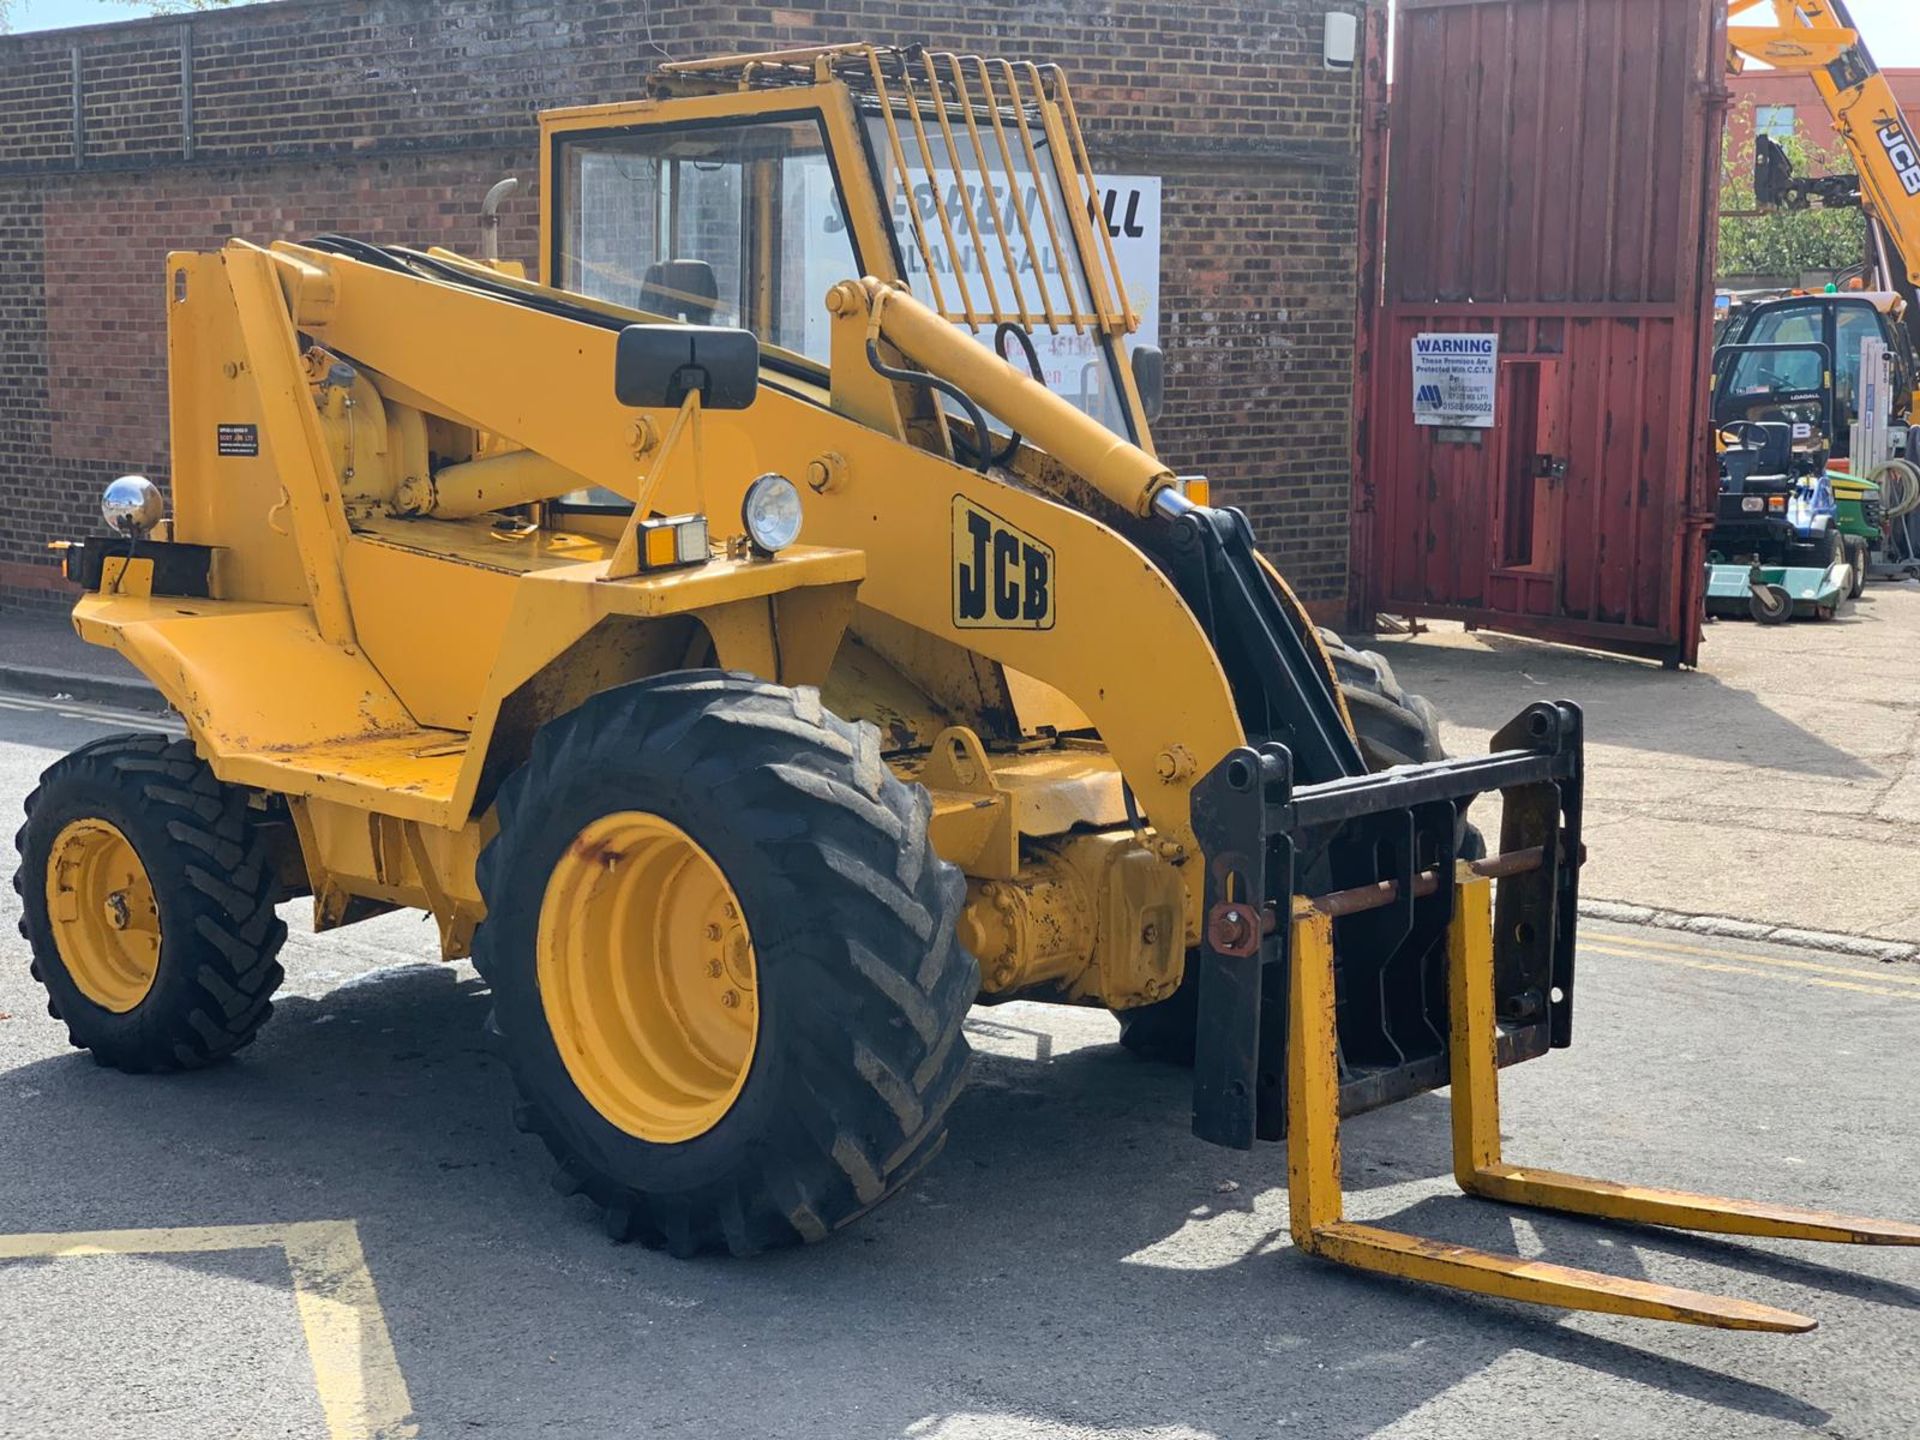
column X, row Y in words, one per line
column 1782, row 242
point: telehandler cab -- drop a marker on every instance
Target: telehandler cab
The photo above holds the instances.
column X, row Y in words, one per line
column 752, row 669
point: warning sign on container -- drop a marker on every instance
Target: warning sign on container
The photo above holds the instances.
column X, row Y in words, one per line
column 1455, row 379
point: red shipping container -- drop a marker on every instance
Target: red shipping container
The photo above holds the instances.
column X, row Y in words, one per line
column 1551, row 179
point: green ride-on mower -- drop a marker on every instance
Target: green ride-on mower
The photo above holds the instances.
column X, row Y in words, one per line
column 1845, row 403
column 1859, row 515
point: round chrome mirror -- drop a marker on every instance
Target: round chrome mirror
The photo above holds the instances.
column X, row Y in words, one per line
column 132, row 505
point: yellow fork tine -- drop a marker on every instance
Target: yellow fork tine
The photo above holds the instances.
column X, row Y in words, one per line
column 1459, row 1267
column 1316, row 1211
column 1643, row 1205
column 1480, row 1170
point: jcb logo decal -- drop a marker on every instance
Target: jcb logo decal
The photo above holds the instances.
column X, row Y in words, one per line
column 1002, row 576
column 1906, row 159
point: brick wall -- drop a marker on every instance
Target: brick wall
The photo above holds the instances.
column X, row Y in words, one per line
column 388, row 119
column 1779, row 87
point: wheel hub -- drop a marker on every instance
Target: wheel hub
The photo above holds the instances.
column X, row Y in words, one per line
column 101, row 906
column 646, row 973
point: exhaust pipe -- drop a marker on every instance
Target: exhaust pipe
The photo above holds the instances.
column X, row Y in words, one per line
column 490, row 216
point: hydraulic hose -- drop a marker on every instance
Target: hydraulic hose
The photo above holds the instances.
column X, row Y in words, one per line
column 1899, row 482
column 981, row 458
column 1005, row 328
column 1113, row 465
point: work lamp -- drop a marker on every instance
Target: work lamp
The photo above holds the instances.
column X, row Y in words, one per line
column 771, row 514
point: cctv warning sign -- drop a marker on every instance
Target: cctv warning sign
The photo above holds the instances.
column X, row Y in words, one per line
column 1455, row 380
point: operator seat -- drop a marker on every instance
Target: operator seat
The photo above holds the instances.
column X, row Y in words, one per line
column 681, row 289
column 1765, row 449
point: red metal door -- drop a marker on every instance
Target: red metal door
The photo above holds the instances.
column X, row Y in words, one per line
column 1552, row 174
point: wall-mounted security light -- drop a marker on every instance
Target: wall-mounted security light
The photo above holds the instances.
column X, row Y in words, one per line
column 1340, row 42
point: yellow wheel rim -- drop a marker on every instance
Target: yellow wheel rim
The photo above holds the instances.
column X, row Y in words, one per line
column 105, row 922
column 646, row 976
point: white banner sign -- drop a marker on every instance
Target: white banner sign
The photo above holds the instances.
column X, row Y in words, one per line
column 1455, row 379
column 1069, row 360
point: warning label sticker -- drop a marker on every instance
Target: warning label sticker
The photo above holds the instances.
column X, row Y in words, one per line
column 237, row 439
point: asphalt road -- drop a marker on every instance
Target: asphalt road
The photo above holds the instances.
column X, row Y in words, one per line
column 1695, row 777
column 1074, row 1265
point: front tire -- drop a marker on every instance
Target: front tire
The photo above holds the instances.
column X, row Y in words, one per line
column 1770, row 604
column 146, row 897
column 839, row 944
column 1826, row 549
column 1393, row 725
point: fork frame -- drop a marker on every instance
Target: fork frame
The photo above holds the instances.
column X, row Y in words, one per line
column 1287, row 1040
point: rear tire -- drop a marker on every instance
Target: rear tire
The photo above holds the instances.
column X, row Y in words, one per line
column 183, row 975
column 1859, row 556
column 860, row 988
column 1393, row 727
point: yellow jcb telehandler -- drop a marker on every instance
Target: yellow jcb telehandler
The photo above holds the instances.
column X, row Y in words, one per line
column 764, row 638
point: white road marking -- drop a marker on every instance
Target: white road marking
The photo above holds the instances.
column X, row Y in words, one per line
column 71, row 709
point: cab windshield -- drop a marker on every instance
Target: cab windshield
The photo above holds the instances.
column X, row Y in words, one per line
column 743, row 223
column 1785, row 383
column 983, row 230
column 1828, row 333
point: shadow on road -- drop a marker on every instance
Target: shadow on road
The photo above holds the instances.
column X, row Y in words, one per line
column 1028, row 1273
column 1630, row 703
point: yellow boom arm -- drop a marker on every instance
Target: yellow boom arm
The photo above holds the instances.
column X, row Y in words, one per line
column 1817, row 38
column 897, row 504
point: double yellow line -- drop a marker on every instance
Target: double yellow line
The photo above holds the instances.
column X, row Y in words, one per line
column 1901, row 982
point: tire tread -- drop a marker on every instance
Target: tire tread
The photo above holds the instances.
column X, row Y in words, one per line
column 222, row 898
column 876, row 996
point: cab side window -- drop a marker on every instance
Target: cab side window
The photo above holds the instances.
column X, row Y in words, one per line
column 737, row 224
column 1852, row 324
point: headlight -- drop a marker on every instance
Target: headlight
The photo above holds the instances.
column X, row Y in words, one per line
column 771, row 513
column 132, row 506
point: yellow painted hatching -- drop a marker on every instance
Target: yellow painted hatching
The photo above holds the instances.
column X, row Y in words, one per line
column 355, row 1373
